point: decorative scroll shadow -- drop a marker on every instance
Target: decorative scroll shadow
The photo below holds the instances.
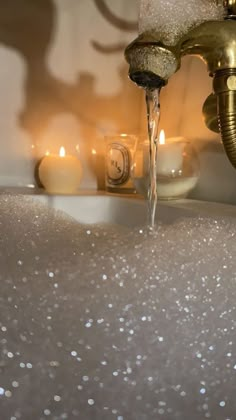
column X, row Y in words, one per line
column 118, row 23
column 28, row 27
column 122, row 24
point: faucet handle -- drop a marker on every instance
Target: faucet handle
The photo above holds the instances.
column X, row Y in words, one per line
column 230, row 7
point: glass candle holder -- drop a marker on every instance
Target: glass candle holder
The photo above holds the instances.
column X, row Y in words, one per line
column 177, row 168
column 119, row 157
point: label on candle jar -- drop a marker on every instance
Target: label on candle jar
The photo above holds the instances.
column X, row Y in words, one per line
column 118, row 164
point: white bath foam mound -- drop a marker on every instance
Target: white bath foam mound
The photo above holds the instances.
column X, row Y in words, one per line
column 173, row 18
column 103, row 322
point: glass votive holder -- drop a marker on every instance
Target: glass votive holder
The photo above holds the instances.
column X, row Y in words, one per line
column 177, row 168
column 118, row 162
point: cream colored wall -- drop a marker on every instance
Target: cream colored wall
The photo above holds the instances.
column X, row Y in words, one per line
column 63, row 81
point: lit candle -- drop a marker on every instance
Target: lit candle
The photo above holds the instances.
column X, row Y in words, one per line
column 169, row 155
column 176, row 174
column 60, row 173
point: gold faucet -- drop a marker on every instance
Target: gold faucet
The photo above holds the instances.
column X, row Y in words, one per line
column 152, row 63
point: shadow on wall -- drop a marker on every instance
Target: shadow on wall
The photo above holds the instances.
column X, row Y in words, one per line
column 28, row 27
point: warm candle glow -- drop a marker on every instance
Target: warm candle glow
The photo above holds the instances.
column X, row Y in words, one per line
column 94, row 152
column 169, row 155
column 62, row 152
column 162, row 137
column 60, row 173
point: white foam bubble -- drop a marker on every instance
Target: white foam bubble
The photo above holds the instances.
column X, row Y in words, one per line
column 173, row 18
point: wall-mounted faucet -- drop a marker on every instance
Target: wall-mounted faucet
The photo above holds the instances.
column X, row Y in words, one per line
column 153, row 61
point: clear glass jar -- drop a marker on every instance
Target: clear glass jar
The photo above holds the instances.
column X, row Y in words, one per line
column 177, row 168
column 119, row 157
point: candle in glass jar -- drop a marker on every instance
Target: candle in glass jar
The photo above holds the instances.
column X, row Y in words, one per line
column 169, row 155
column 60, row 173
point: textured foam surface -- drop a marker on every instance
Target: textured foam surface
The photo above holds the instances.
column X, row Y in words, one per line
column 104, row 322
column 173, row 18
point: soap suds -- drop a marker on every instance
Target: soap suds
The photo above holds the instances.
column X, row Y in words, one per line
column 101, row 321
column 173, row 18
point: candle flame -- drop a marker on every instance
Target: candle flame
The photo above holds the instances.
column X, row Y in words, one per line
column 47, row 153
column 62, row 152
column 162, row 137
column 94, row 152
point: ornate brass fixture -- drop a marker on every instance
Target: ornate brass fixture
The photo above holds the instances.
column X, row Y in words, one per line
column 152, row 63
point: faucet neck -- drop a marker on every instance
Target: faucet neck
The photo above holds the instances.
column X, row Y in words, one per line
column 230, row 7
column 204, row 39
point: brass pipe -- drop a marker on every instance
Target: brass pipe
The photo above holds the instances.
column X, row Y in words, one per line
column 225, row 89
column 230, row 8
column 209, row 111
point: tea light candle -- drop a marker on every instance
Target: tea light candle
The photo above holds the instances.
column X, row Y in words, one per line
column 60, row 173
column 169, row 155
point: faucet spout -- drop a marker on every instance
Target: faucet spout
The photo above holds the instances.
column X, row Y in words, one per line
column 151, row 62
